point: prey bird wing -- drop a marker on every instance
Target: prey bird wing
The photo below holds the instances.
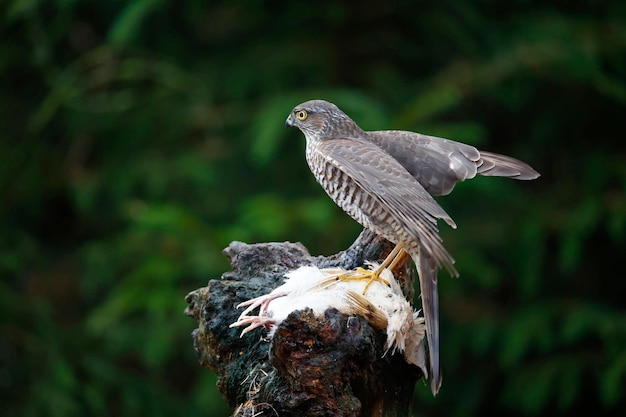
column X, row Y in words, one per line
column 438, row 164
column 386, row 181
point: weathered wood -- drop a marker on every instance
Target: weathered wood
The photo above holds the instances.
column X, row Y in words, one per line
column 330, row 366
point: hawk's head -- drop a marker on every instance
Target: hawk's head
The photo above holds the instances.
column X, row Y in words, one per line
column 318, row 120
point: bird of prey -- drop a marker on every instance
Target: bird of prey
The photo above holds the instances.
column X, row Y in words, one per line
column 385, row 180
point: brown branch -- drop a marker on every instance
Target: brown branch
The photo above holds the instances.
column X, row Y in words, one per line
column 330, row 366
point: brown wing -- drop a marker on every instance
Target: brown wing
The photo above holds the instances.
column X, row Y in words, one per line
column 385, row 180
column 438, row 164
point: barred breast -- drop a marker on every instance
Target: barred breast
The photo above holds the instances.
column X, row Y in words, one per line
column 346, row 193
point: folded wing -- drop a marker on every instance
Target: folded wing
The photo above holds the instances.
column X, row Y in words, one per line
column 404, row 199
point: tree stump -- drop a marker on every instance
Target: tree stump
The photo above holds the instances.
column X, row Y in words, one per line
column 330, row 366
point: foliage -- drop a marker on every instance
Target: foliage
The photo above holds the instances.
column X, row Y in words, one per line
column 140, row 138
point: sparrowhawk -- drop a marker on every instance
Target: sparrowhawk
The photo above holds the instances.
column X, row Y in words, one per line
column 386, row 179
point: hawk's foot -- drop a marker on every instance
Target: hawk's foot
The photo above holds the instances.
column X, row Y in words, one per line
column 390, row 262
column 362, row 274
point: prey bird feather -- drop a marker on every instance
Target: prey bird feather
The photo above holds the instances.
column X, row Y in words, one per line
column 383, row 306
column 385, row 180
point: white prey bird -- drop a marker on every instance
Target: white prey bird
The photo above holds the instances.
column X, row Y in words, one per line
column 383, row 306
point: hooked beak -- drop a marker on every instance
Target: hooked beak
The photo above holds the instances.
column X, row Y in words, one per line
column 289, row 121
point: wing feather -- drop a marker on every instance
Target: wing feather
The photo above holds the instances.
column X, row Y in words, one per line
column 504, row 166
column 438, row 164
column 385, row 180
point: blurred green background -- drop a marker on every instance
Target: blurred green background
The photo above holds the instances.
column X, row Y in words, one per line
column 137, row 139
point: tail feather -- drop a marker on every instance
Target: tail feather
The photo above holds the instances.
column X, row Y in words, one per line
column 427, row 271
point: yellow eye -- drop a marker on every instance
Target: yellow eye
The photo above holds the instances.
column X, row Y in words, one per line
column 301, row 114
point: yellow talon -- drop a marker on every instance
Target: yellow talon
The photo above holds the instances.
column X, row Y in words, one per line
column 362, row 274
column 390, row 262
